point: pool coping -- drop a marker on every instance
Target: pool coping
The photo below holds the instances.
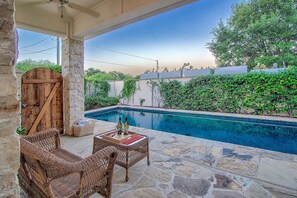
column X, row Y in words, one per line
column 234, row 115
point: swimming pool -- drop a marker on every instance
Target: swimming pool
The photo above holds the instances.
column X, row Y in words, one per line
column 265, row 134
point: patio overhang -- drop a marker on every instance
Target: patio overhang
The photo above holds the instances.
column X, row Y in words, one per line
column 74, row 28
column 78, row 25
column 45, row 17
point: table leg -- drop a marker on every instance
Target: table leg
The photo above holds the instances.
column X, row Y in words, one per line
column 127, row 177
column 148, row 155
column 127, row 165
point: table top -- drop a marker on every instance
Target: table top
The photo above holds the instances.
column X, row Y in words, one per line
column 101, row 137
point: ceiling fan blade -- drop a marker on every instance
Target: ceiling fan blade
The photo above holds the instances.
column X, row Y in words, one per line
column 83, row 9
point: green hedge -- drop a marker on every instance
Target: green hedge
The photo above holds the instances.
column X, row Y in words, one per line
column 94, row 102
column 253, row 93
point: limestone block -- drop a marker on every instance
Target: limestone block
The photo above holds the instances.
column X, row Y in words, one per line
column 7, row 70
column 284, row 172
column 9, row 153
column 176, row 194
column 229, row 194
column 246, row 168
column 158, row 174
column 143, row 193
column 8, row 50
column 8, row 85
column 9, row 185
column 8, row 123
column 256, row 190
column 192, row 187
column 9, row 102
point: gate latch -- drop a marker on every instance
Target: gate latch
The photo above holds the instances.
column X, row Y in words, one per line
column 24, row 106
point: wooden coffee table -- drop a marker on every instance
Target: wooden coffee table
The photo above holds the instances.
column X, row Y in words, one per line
column 128, row 154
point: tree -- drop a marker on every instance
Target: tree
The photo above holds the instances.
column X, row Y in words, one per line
column 258, row 31
column 91, row 71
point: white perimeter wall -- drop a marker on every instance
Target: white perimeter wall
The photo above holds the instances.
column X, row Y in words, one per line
column 152, row 97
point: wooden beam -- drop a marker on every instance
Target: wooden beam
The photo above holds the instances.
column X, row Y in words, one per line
column 44, row 108
column 40, row 81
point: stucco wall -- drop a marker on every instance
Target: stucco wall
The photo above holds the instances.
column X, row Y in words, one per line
column 144, row 90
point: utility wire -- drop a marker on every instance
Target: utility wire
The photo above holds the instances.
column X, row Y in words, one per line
column 37, row 52
column 127, row 54
column 48, row 53
column 35, row 43
column 109, row 63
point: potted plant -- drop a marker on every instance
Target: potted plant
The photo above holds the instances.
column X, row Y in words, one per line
column 141, row 100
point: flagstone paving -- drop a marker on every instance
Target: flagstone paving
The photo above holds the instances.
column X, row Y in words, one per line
column 186, row 167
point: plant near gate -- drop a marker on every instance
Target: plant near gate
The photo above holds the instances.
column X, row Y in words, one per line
column 21, row 130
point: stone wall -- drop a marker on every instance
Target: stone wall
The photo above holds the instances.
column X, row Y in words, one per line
column 9, row 106
column 73, row 84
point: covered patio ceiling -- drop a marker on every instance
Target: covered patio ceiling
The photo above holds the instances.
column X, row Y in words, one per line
column 45, row 16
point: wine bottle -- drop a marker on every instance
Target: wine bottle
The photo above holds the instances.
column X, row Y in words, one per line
column 119, row 126
column 126, row 127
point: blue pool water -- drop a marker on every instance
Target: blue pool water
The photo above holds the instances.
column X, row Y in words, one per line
column 271, row 135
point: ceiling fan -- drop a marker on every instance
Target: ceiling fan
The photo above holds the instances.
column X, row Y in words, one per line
column 75, row 6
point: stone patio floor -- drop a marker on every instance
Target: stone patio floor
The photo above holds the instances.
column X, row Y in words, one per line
column 183, row 166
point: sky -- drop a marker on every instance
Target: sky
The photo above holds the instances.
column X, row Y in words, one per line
column 173, row 38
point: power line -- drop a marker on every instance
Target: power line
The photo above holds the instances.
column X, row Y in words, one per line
column 37, row 52
column 127, row 54
column 35, row 43
column 48, row 53
column 109, row 63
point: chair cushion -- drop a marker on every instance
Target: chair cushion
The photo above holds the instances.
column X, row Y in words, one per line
column 66, row 186
column 66, row 155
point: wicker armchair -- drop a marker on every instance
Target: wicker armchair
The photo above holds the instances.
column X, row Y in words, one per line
column 49, row 171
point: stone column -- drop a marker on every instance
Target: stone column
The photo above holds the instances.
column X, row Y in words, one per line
column 73, row 83
column 9, row 107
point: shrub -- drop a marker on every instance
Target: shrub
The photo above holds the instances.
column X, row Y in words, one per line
column 93, row 102
column 253, row 93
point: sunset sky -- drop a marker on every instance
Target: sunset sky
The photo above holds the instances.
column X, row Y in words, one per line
column 173, row 38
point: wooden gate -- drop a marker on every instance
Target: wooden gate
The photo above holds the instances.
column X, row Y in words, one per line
column 42, row 100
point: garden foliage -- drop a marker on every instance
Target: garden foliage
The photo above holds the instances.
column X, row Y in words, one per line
column 253, row 93
column 97, row 101
column 129, row 88
column 99, row 97
column 28, row 64
column 97, row 81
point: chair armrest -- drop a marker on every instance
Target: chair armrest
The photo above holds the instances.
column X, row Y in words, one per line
column 95, row 167
column 48, row 139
